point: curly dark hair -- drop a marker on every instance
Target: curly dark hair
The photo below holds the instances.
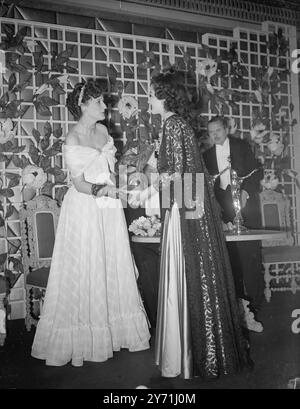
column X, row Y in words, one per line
column 218, row 118
column 169, row 86
column 92, row 88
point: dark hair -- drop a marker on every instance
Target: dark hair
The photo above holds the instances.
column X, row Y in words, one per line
column 169, row 86
column 93, row 88
column 219, row 118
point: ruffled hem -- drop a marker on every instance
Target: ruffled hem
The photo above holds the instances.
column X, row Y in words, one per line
column 88, row 342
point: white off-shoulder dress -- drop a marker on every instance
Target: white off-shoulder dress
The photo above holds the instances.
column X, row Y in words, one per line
column 92, row 304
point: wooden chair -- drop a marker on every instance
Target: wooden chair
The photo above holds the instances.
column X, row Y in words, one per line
column 281, row 258
column 39, row 218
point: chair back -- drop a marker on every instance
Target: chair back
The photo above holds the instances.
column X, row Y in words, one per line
column 39, row 218
column 275, row 211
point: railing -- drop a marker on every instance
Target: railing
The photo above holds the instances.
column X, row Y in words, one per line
column 232, row 9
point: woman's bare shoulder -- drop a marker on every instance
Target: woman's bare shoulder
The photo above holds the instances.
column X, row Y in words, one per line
column 72, row 137
column 102, row 131
column 101, row 128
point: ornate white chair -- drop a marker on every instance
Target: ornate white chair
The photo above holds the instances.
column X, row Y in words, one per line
column 281, row 258
column 3, row 294
column 39, row 218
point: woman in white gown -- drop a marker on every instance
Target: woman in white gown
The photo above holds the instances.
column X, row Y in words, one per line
column 92, row 304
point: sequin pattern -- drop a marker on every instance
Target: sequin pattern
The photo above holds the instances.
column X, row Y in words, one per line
column 217, row 341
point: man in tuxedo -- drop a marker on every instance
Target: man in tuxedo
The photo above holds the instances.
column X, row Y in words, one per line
column 245, row 257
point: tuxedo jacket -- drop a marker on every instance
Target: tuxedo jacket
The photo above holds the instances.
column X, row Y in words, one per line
column 243, row 162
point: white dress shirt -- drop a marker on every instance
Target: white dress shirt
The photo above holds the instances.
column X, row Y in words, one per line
column 223, row 160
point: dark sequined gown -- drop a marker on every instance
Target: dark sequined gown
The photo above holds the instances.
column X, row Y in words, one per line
column 198, row 329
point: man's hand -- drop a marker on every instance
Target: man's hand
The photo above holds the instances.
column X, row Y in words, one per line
column 244, row 197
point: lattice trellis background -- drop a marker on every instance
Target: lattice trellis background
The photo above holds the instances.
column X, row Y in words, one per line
column 102, row 54
column 253, row 53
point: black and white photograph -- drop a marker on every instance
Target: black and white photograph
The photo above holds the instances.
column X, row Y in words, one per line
column 149, row 197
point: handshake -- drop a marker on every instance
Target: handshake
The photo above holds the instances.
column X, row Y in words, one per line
column 135, row 198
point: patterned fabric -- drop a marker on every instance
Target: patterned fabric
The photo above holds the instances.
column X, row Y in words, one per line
column 223, row 160
column 92, row 305
column 217, row 344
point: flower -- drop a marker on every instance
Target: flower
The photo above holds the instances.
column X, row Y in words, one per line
column 146, row 226
column 6, row 130
column 258, row 95
column 207, row 68
column 151, row 232
column 127, row 106
column 41, row 89
column 63, row 79
column 270, row 180
column 275, row 146
column 34, row 176
column 31, row 45
column 53, row 81
column 258, row 132
column 11, row 267
column 210, row 88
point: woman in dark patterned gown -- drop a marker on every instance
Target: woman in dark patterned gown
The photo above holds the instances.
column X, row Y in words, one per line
column 198, row 329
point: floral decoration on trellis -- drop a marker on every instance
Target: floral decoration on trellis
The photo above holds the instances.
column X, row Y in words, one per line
column 139, row 146
column 36, row 170
column 269, row 132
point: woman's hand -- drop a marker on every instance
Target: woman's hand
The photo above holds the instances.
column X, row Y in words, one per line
column 113, row 192
column 102, row 192
column 108, row 191
column 134, row 198
column 137, row 198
